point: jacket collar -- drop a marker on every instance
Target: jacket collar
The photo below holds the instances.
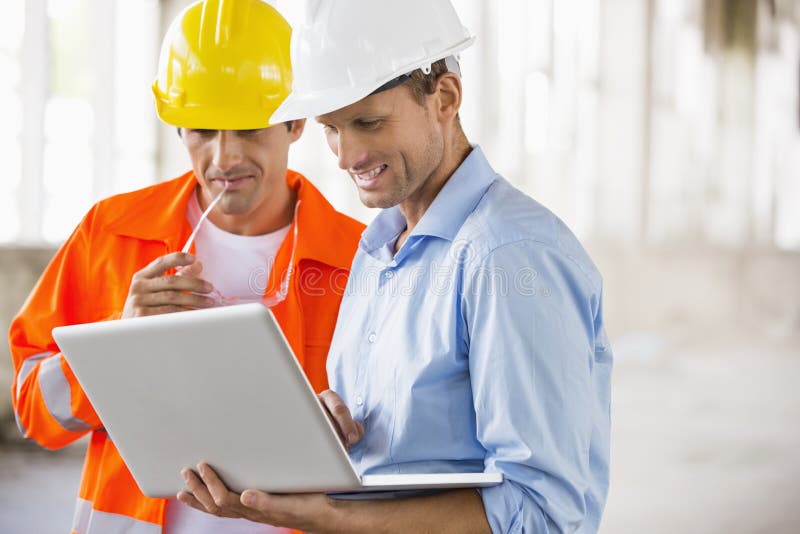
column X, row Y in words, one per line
column 322, row 233
column 156, row 213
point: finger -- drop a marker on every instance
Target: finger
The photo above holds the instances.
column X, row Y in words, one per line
column 158, row 310
column 173, row 298
column 343, row 421
column 190, row 270
column 189, row 500
column 330, row 417
column 162, row 264
column 222, row 496
column 171, row 283
column 199, row 491
column 360, row 430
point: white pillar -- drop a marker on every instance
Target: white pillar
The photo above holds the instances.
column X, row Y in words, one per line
column 35, row 61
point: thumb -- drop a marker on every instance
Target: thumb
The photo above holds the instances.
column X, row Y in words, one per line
column 193, row 269
column 255, row 499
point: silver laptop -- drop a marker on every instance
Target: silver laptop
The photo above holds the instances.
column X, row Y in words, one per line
column 221, row 386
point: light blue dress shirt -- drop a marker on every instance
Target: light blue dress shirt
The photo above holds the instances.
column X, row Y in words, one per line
column 480, row 346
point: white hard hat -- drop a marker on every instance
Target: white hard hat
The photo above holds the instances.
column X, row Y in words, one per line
column 346, row 49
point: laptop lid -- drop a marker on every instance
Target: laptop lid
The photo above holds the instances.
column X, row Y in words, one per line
column 219, row 385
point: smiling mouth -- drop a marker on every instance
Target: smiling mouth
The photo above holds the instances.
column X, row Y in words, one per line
column 371, row 175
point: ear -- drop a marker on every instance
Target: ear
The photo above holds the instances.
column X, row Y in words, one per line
column 298, row 125
column 448, row 91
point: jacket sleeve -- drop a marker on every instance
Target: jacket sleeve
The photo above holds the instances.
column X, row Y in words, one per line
column 531, row 358
column 49, row 405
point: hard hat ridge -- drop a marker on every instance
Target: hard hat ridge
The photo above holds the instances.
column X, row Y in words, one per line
column 221, row 21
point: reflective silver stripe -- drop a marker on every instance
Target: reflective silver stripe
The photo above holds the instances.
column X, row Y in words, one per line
column 89, row 521
column 56, row 392
column 27, row 366
column 25, row 370
column 22, row 429
column 83, row 512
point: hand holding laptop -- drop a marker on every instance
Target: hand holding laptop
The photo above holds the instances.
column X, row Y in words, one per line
column 349, row 430
column 208, row 493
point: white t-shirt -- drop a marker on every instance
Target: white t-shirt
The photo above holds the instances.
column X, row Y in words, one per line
column 238, row 267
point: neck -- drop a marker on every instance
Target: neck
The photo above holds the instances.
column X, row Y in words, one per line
column 415, row 206
column 274, row 213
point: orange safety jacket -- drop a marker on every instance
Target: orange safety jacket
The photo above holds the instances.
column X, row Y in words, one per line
column 88, row 281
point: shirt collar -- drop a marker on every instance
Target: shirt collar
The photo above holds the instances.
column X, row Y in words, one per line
column 448, row 211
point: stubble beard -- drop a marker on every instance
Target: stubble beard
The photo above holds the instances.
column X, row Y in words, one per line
column 413, row 178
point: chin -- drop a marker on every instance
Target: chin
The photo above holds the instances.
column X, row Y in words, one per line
column 235, row 208
column 373, row 202
column 378, row 200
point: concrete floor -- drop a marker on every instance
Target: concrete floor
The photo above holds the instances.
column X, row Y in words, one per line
column 706, row 437
column 38, row 488
column 705, row 440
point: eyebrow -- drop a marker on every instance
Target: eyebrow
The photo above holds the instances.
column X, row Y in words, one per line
column 368, row 115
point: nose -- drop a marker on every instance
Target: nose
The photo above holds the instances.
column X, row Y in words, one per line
column 351, row 150
column 227, row 151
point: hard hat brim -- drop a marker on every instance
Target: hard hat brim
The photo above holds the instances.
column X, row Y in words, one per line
column 312, row 105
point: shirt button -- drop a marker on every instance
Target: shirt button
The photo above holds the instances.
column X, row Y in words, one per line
column 359, row 400
column 389, row 274
column 372, row 337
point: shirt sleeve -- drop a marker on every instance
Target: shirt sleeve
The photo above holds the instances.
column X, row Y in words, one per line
column 49, row 404
column 530, row 314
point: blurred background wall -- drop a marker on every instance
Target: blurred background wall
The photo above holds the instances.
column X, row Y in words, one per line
column 666, row 133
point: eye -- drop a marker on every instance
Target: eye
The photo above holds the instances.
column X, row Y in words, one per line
column 328, row 129
column 368, row 124
column 201, row 132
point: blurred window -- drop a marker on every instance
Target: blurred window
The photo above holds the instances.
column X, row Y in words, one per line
column 633, row 121
column 12, row 24
column 76, row 92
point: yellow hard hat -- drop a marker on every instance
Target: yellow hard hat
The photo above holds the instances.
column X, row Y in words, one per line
column 224, row 65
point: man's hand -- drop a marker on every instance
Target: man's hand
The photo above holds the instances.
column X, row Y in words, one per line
column 350, row 431
column 209, row 494
column 456, row 511
column 152, row 293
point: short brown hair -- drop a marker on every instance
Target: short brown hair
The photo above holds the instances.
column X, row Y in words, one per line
column 422, row 84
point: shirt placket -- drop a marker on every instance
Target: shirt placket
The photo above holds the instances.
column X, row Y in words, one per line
column 377, row 306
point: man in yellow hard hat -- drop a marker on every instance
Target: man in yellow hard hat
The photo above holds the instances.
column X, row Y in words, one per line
column 493, row 356
column 270, row 236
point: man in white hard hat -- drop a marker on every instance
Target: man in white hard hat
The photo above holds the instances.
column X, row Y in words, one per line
column 480, row 344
